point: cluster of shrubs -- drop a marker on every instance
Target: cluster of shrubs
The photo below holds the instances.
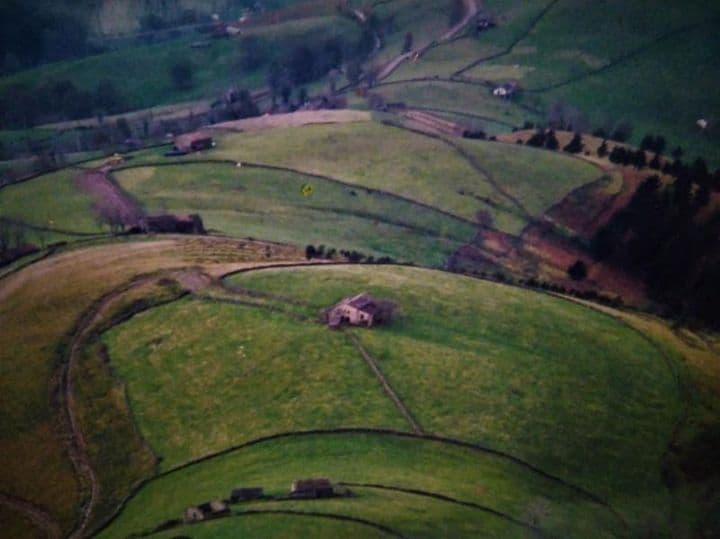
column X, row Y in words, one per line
column 355, row 257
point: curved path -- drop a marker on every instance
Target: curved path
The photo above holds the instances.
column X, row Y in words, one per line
column 471, row 10
column 77, row 447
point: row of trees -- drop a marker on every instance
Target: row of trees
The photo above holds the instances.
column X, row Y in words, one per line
column 355, row 257
column 668, row 236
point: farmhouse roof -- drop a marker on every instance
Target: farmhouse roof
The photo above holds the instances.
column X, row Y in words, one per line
column 363, row 302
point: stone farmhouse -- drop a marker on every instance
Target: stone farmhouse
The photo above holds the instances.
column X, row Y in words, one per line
column 360, row 310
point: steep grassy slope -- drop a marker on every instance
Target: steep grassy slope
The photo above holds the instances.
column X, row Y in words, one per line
column 270, row 204
column 612, row 60
column 418, row 167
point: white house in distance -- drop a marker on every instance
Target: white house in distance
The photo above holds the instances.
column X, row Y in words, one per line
column 506, row 90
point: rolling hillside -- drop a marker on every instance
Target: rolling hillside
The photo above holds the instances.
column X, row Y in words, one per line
column 164, row 338
column 467, row 333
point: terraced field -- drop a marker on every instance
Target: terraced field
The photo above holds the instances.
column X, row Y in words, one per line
column 270, row 204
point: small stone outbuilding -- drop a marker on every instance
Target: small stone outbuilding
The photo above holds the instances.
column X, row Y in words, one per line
column 193, row 142
column 204, row 511
column 312, row 488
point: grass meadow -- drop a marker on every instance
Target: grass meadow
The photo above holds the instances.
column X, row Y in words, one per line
column 528, row 373
column 51, row 201
column 418, row 167
column 233, row 379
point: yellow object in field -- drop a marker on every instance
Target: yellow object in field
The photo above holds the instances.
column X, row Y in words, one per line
column 307, row 189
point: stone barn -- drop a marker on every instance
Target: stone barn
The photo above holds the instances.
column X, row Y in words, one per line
column 193, row 142
column 312, row 488
column 360, row 310
column 173, row 224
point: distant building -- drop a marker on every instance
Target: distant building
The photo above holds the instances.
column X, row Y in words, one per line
column 246, row 493
column 312, row 488
column 507, row 90
column 204, row 511
column 193, row 142
column 173, row 224
column 360, row 310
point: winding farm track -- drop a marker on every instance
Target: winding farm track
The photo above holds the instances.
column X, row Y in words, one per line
column 471, row 10
column 41, row 519
column 77, row 447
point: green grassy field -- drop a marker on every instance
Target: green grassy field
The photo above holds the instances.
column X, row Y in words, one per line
column 417, row 167
column 269, row 204
column 489, row 331
column 198, row 392
column 432, row 467
column 478, row 361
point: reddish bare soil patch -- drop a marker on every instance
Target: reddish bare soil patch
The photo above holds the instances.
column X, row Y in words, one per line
column 555, row 255
column 112, row 204
column 590, row 207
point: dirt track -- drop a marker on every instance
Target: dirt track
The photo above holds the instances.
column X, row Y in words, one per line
column 471, row 9
column 112, row 204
